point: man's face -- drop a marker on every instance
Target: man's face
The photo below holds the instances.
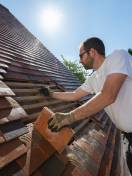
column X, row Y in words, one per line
column 85, row 59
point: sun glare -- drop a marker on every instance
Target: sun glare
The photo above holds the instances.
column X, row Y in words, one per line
column 50, row 19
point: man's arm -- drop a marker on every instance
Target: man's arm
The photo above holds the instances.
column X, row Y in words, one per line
column 70, row 96
column 104, row 98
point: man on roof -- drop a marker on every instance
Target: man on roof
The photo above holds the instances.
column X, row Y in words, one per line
column 111, row 82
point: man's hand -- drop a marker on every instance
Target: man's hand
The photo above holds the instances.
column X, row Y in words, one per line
column 59, row 120
column 46, row 91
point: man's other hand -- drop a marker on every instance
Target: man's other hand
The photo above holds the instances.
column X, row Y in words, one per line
column 46, row 91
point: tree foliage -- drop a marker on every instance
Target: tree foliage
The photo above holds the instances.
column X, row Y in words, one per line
column 130, row 51
column 76, row 69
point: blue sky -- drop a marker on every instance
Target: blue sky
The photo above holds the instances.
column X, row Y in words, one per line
column 80, row 19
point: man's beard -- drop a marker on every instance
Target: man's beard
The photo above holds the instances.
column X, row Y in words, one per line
column 89, row 65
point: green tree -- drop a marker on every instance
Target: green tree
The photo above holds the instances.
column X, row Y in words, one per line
column 130, row 51
column 75, row 68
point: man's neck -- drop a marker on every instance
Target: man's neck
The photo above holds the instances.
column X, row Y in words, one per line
column 98, row 62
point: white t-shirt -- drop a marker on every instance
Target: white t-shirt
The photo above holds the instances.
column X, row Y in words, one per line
column 120, row 111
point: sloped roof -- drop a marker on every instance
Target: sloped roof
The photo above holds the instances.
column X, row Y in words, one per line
column 25, row 66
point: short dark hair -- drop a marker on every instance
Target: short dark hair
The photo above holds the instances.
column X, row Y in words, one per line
column 95, row 43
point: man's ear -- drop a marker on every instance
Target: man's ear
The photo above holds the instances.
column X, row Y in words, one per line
column 92, row 52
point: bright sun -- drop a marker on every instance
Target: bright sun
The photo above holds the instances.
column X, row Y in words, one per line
column 50, row 19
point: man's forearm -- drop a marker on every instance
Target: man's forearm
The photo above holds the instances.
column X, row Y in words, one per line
column 94, row 105
column 66, row 96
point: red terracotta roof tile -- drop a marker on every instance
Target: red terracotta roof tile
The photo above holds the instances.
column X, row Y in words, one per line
column 5, row 90
column 13, row 130
column 2, row 140
column 57, row 139
column 92, row 152
column 10, row 152
column 79, row 172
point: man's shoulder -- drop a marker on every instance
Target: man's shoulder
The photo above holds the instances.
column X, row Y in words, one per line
column 118, row 52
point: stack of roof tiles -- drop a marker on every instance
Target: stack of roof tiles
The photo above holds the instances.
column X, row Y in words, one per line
column 26, row 65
